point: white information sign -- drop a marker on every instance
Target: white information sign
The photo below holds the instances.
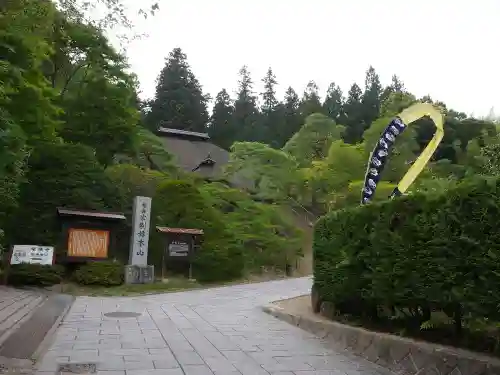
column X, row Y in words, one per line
column 178, row 249
column 141, row 217
column 33, row 254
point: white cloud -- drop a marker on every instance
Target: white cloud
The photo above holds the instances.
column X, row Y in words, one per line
column 444, row 48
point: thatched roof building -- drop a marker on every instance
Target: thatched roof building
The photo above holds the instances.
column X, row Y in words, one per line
column 194, row 152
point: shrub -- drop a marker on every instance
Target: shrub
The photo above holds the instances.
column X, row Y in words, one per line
column 100, row 273
column 418, row 252
column 35, row 274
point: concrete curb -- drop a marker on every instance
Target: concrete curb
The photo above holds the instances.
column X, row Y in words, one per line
column 49, row 337
column 397, row 354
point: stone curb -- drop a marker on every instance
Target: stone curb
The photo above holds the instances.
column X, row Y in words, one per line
column 402, row 356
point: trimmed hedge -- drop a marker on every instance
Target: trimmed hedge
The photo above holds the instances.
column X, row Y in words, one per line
column 35, row 274
column 417, row 252
column 104, row 273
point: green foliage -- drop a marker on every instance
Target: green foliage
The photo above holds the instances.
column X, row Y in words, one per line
column 108, row 126
column 264, row 232
column 245, row 119
column 179, row 102
column 100, row 273
column 180, row 204
column 221, row 129
column 35, row 274
column 422, row 252
column 313, row 140
column 59, row 174
column 272, row 172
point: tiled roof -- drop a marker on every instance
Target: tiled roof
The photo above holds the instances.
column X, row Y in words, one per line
column 102, row 215
column 179, row 230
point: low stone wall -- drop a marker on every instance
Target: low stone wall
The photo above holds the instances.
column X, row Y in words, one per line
column 402, row 356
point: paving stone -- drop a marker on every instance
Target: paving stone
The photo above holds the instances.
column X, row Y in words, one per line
column 217, row 331
column 165, row 364
column 189, row 358
column 197, row 370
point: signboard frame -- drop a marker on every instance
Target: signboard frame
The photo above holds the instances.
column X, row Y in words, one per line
column 92, row 221
column 179, row 236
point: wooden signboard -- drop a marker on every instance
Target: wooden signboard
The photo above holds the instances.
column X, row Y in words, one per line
column 88, row 243
column 88, row 235
column 180, row 245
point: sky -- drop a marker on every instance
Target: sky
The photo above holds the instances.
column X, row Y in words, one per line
column 445, row 48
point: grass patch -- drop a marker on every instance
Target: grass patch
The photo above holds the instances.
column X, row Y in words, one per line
column 172, row 285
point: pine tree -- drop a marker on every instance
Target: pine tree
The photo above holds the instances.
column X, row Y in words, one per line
column 354, row 116
column 269, row 101
column 179, row 101
column 371, row 97
column 246, row 114
column 333, row 104
column 397, row 85
column 311, row 102
column 292, row 118
column 271, row 111
column 221, row 129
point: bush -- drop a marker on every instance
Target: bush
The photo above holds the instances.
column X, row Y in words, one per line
column 100, row 273
column 418, row 252
column 35, row 274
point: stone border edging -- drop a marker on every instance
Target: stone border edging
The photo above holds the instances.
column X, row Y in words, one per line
column 402, row 356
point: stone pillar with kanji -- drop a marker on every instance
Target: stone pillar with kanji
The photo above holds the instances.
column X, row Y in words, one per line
column 138, row 271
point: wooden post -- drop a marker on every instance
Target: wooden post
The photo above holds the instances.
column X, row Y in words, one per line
column 165, row 249
column 191, row 251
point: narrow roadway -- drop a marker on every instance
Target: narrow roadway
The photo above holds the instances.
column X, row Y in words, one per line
column 217, row 331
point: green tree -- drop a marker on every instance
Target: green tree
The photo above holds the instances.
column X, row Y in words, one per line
column 272, row 112
column 313, row 140
column 329, row 180
column 292, row 118
column 246, row 116
column 101, row 115
column 222, row 130
column 269, row 101
column 371, row 97
column 333, row 104
column 353, row 109
column 219, row 257
column 25, row 30
column 179, row 102
column 59, row 175
column 311, row 102
column 272, row 172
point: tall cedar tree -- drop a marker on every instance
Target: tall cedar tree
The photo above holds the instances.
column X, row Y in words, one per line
column 246, row 114
column 222, row 130
column 293, row 119
column 371, row 97
column 272, row 111
column 311, row 102
column 333, row 104
column 179, row 101
column 353, row 109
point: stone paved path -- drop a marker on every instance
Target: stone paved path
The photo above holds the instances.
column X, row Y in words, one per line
column 217, row 331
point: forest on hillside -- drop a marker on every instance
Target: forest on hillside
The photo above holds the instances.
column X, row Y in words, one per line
column 311, row 152
column 74, row 133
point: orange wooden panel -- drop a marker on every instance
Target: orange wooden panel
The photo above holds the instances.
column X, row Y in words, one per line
column 88, row 243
